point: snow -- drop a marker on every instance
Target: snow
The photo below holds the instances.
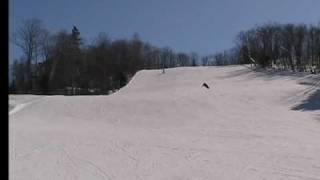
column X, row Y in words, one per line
column 166, row 126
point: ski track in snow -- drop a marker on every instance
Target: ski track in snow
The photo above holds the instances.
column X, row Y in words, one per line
column 166, row 126
column 20, row 106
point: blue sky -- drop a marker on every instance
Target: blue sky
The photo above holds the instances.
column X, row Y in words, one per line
column 202, row 26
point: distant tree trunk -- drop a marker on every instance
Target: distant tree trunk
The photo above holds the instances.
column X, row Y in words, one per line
column 28, row 39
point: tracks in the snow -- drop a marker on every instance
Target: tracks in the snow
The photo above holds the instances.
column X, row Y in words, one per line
column 19, row 107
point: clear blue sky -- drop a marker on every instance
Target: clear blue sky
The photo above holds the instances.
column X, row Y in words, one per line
column 202, row 26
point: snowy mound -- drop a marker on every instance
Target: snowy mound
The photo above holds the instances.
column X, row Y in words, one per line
column 248, row 125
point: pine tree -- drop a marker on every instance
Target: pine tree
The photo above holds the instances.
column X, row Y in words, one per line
column 76, row 58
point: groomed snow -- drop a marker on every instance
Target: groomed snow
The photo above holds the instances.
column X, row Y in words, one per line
column 166, row 126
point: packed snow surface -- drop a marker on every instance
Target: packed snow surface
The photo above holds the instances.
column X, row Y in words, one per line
column 249, row 125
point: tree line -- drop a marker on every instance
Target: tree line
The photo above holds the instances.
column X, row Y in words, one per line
column 61, row 63
column 286, row 46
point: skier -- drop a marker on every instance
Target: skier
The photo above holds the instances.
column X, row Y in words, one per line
column 206, row 85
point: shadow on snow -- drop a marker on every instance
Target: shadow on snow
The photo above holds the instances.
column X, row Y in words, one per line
column 311, row 103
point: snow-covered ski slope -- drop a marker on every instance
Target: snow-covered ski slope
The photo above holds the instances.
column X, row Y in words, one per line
column 247, row 126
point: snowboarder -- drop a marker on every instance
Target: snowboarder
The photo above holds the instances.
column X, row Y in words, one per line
column 206, row 85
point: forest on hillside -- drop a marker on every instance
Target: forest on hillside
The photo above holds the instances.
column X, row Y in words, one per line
column 287, row 46
column 61, row 63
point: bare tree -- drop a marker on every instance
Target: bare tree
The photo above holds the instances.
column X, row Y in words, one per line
column 45, row 44
column 205, row 60
column 194, row 58
column 28, row 38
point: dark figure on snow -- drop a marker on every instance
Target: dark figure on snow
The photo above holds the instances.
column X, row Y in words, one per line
column 205, row 85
